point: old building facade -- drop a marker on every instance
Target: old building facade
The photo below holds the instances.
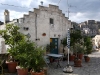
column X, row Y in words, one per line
column 45, row 25
column 90, row 27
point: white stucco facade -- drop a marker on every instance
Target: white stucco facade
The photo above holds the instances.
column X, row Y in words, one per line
column 38, row 22
column 49, row 20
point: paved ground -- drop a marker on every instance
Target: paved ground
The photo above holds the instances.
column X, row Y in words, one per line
column 90, row 68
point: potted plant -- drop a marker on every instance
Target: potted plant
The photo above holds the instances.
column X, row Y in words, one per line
column 25, row 53
column 12, row 37
column 88, row 48
column 77, row 61
column 37, row 61
column 80, row 51
column 72, row 56
column 30, row 56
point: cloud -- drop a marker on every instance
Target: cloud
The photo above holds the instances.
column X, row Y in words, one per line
column 19, row 14
column 17, row 5
column 79, row 10
column 79, row 17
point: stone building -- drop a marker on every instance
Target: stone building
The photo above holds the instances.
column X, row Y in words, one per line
column 90, row 27
column 44, row 25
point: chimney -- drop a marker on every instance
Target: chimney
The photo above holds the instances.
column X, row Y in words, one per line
column 6, row 16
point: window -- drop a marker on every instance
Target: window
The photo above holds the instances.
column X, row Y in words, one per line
column 25, row 28
column 51, row 21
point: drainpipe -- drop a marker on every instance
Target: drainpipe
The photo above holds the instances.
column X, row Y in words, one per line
column 36, row 26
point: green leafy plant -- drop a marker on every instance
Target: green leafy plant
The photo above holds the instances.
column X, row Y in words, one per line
column 37, row 62
column 88, row 44
column 75, row 36
column 75, row 41
column 24, row 51
column 79, row 48
column 64, row 42
column 48, row 47
column 30, row 56
column 12, row 37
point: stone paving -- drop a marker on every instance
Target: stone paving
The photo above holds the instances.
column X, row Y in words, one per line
column 90, row 68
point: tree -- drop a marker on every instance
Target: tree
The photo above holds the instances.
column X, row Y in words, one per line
column 88, row 44
column 12, row 37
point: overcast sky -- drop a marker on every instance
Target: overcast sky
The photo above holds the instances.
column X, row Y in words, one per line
column 80, row 10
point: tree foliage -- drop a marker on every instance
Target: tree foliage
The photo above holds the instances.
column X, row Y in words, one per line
column 12, row 37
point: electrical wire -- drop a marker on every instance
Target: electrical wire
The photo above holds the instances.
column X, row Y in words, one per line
column 14, row 6
column 59, row 2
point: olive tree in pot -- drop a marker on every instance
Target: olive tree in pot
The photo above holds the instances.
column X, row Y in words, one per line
column 75, row 41
column 77, row 61
column 88, row 48
column 80, row 51
column 12, row 37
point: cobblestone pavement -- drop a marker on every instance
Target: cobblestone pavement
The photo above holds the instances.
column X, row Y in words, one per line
column 90, row 68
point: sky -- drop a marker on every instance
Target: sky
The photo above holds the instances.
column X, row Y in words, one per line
column 79, row 10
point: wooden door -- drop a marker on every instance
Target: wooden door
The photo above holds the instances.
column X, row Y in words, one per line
column 54, row 45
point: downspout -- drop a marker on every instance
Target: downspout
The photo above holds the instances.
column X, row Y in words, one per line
column 36, row 26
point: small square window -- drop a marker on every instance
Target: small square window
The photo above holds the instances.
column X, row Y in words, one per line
column 51, row 21
column 25, row 28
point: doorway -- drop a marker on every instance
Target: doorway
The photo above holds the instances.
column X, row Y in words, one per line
column 54, row 45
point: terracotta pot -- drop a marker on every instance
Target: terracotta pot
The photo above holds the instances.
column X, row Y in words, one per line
column 45, row 71
column 12, row 67
column 22, row 71
column 36, row 73
column 80, row 56
column 71, row 57
column 77, row 63
column 51, row 59
column 87, row 59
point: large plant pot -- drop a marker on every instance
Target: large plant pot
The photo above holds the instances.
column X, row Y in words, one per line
column 22, row 71
column 37, row 73
column 12, row 67
column 80, row 56
column 51, row 59
column 71, row 57
column 77, row 63
column 45, row 70
column 87, row 59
